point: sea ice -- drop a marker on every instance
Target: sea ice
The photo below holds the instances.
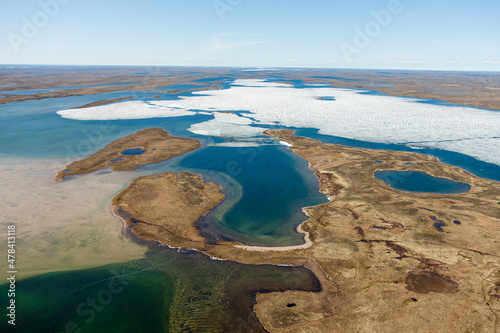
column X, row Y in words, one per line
column 242, row 144
column 258, row 83
column 353, row 114
column 124, row 110
column 284, row 143
column 227, row 125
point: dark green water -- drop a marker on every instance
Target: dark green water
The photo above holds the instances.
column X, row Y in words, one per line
column 109, row 299
column 167, row 291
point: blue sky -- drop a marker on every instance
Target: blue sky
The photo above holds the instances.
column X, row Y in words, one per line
column 408, row 34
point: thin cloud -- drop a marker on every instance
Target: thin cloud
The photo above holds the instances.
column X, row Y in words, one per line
column 490, row 62
column 226, row 41
column 419, row 62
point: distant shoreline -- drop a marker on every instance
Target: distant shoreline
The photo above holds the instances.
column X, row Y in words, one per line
column 307, row 241
column 475, row 89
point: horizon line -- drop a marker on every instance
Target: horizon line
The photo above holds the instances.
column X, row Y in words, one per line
column 257, row 67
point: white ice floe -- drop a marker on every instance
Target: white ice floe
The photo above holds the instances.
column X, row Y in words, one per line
column 284, row 143
column 238, row 144
column 482, row 146
column 124, row 110
column 353, row 114
column 227, row 125
column 258, row 83
column 260, row 69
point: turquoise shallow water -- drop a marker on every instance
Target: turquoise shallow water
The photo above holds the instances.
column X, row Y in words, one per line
column 276, row 184
column 109, row 299
column 33, row 129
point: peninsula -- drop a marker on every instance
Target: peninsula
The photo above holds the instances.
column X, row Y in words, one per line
column 165, row 207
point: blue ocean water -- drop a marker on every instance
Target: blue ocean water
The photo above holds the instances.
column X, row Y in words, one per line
column 413, row 181
column 210, row 79
column 474, row 166
column 273, row 187
column 185, row 86
column 26, row 92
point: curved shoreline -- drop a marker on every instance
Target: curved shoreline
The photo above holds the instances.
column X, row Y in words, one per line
column 307, row 241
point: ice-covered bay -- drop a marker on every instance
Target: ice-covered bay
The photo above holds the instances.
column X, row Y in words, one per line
column 352, row 114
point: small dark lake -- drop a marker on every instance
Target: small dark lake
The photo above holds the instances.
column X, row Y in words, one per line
column 133, row 151
column 414, row 181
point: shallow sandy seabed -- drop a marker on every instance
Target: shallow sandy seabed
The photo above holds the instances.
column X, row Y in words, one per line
column 66, row 225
